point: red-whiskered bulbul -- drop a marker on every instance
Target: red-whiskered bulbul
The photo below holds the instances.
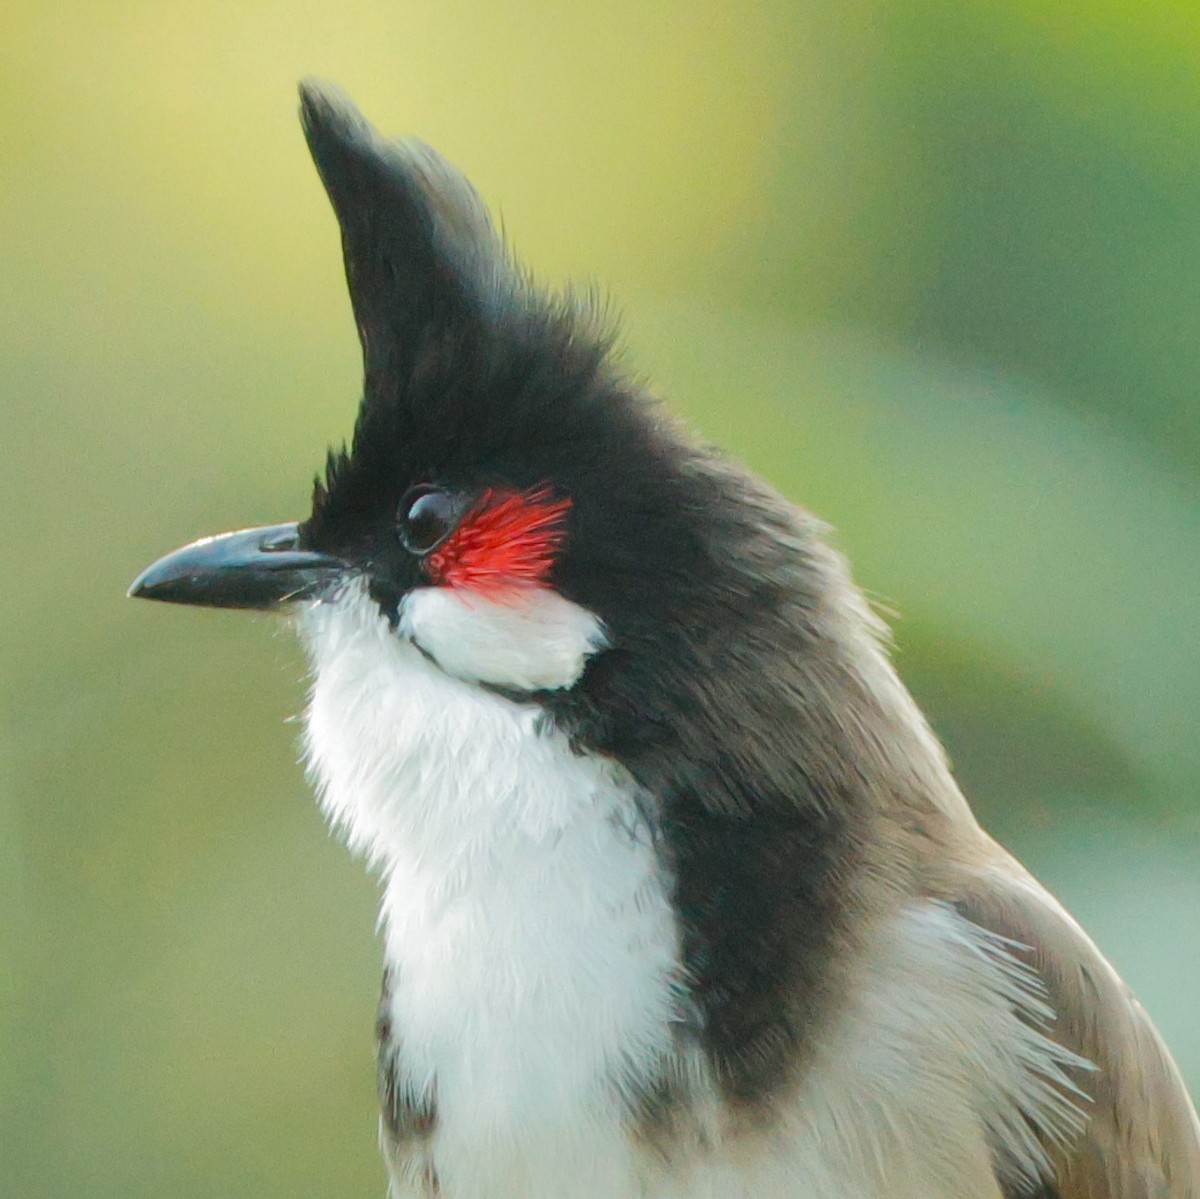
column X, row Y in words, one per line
column 680, row 899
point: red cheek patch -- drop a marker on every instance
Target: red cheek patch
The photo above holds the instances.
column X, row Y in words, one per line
column 508, row 538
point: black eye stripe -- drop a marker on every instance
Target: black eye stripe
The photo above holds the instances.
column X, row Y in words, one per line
column 427, row 516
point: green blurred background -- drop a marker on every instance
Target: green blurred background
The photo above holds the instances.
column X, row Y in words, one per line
column 932, row 266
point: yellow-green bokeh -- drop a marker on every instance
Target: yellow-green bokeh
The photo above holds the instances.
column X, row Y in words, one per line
column 930, row 265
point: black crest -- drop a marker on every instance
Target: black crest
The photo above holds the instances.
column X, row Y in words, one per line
column 419, row 247
column 464, row 361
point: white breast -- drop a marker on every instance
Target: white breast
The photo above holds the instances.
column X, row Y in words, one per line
column 536, row 968
column 525, row 914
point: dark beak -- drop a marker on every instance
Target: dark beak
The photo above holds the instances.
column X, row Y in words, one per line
column 252, row 568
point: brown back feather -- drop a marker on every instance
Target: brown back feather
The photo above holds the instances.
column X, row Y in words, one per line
column 1143, row 1137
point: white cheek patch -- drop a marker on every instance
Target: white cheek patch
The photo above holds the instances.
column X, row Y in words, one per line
column 525, row 637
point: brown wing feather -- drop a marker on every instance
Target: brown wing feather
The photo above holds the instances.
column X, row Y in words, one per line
column 1143, row 1138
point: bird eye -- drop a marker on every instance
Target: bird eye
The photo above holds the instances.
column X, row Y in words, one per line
column 427, row 517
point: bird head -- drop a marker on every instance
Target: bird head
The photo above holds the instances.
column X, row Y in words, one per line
column 521, row 511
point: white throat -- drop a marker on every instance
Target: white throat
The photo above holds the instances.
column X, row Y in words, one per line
column 536, row 975
column 525, row 913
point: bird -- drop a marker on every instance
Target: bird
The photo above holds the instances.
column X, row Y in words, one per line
column 679, row 896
